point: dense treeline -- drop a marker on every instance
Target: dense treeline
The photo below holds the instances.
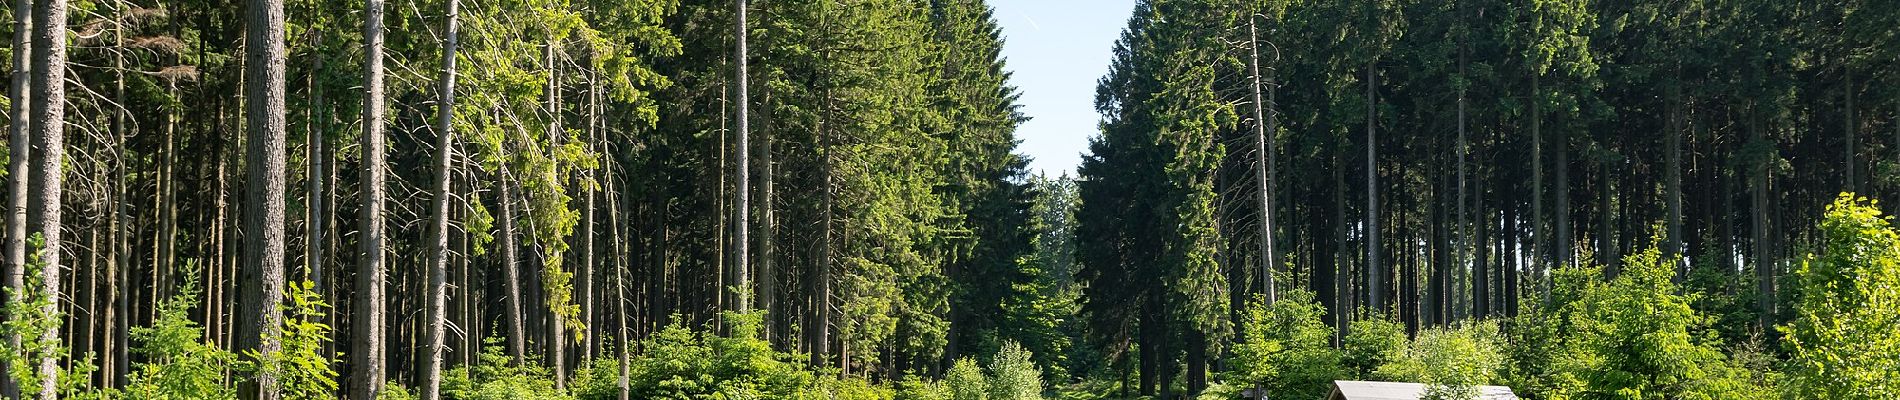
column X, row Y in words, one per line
column 425, row 184
column 554, row 199
column 1431, row 162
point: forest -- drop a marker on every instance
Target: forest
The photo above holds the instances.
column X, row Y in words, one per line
column 825, row 199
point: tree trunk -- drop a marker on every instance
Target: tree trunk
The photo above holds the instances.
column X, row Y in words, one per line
column 1261, row 167
column 1481, row 289
column 1672, row 179
column 618, row 246
column 1342, row 255
column 768, row 238
column 585, row 278
column 439, row 244
column 366, row 316
column 820, row 279
column 1758, row 213
column 1375, row 278
column 1537, row 184
column 1196, row 361
column 314, row 173
column 20, row 150
column 1564, row 245
column 262, row 288
column 113, row 345
column 556, row 318
column 1463, row 242
column 1606, row 231
column 511, row 268
column 48, row 153
column 742, row 215
column 1847, row 132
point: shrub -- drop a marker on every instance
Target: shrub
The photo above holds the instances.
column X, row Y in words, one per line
column 830, row 387
column 598, row 379
column 966, row 381
column 1452, row 361
column 1287, row 350
column 1845, row 334
column 180, row 364
column 915, row 388
column 495, row 376
column 1013, row 376
column 679, row 364
column 1632, row 337
column 1371, row 341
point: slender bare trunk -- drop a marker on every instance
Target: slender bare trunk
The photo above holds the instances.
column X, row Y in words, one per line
column 820, row 279
column 511, row 268
column 742, row 213
column 1537, row 185
column 20, row 148
column 556, row 319
column 1759, row 222
column 1463, row 243
column 1375, row 278
column 1262, row 149
column 1672, row 180
column 437, row 291
column 367, row 307
column 1848, row 132
column 585, row 277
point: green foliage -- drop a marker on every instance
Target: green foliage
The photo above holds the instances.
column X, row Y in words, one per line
column 395, row 391
column 1287, row 350
column 1632, row 337
column 966, row 381
column 33, row 315
column 597, row 379
column 831, row 387
column 1372, row 341
column 495, row 377
column 1013, row 375
column 180, row 364
column 301, row 368
column 678, row 363
column 1845, row 335
column 28, row 316
column 1451, row 361
column 915, row 388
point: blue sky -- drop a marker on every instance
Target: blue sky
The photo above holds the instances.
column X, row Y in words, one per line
column 1057, row 49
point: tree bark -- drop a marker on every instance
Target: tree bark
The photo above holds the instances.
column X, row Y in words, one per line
column 1759, row 222
column 511, row 268
column 1463, row 242
column 1262, row 150
column 439, row 204
column 1375, row 278
column 742, row 212
column 112, row 358
column 585, row 278
column 1672, row 179
column 1848, row 132
column 20, row 147
column 1565, row 245
column 366, row 316
column 48, row 154
column 556, row 318
column 1537, row 184
column 314, row 174
column 262, row 286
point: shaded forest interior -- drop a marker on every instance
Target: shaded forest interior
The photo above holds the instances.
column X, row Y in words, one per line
column 597, row 199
